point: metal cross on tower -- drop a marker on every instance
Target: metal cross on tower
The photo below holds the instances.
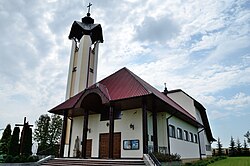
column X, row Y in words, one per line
column 89, row 7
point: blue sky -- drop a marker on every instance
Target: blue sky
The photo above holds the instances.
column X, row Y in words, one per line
column 201, row 47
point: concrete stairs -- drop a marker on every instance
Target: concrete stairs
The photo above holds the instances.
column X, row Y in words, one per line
column 90, row 162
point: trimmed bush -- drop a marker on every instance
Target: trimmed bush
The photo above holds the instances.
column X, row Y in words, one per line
column 166, row 157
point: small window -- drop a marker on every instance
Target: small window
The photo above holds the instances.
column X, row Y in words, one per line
column 208, row 148
column 105, row 114
column 171, row 131
column 191, row 137
column 195, row 138
column 186, row 135
column 179, row 133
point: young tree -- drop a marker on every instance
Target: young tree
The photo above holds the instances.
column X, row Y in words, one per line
column 238, row 147
column 47, row 133
column 55, row 129
column 14, row 142
column 232, row 148
column 4, row 142
column 245, row 148
column 41, row 132
column 247, row 135
column 219, row 146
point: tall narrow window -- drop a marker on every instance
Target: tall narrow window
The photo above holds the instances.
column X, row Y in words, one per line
column 195, row 138
column 191, row 137
column 171, row 131
column 179, row 133
column 186, row 135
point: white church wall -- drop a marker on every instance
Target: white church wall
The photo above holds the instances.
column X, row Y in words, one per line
column 186, row 149
column 120, row 125
column 96, row 126
column 133, row 116
column 162, row 129
column 76, row 131
column 198, row 116
column 184, row 101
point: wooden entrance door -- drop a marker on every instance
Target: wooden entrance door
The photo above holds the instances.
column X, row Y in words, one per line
column 88, row 148
column 104, row 145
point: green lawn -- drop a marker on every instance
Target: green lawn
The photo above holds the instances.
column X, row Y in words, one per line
column 233, row 161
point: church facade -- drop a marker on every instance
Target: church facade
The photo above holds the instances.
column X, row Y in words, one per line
column 122, row 116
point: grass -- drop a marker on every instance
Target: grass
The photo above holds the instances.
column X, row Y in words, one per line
column 233, row 161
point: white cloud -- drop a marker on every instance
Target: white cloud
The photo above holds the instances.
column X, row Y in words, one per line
column 239, row 101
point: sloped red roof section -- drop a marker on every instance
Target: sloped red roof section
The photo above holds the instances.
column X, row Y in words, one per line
column 123, row 84
column 68, row 104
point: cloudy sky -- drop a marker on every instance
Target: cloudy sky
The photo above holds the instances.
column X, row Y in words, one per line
column 201, row 47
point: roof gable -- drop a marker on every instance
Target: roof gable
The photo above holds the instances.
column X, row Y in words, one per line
column 123, row 84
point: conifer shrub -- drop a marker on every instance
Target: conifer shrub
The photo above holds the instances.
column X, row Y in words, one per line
column 14, row 142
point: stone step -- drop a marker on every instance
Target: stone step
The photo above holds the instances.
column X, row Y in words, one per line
column 90, row 162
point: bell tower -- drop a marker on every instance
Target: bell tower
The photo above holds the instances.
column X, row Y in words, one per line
column 85, row 36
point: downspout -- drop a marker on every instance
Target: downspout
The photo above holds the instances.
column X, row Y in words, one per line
column 200, row 142
column 168, row 130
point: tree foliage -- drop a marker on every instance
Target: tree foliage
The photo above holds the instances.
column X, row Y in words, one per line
column 41, row 132
column 245, row 148
column 4, row 142
column 232, row 147
column 47, row 132
column 55, row 129
column 14, row 142
column 219, row 146
column 27, row 141
column 238, row 147
column 247, row 135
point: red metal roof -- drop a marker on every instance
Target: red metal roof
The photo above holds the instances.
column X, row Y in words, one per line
column 68, row 104
column 123, row 84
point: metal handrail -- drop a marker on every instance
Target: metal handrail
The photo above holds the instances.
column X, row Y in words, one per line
column 155, row 160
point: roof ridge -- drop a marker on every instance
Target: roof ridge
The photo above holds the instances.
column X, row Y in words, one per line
column 137, row 78
column 111, row 75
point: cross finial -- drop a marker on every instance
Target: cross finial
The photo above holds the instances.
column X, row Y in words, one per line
column 165, row 90
column 89, row 7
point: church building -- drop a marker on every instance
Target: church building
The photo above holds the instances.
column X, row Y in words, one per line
column 122, row 116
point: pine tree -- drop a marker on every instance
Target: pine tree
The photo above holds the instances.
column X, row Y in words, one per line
column 247, row 135
column 238, row 147
column 232, row 148
column 28, row 142
column 245, row 148
column 14, row 142
column 219, row 146
column 4, row 142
